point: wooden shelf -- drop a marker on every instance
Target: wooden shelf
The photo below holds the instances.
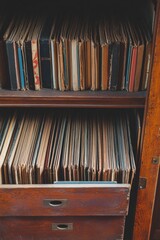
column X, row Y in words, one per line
column 85, row 99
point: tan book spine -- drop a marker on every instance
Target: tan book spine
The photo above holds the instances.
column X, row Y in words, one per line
column 93, row 67
column 82, row 65
column 88, row 64
column 139, row 67
column 60, row 66
column 74, row 66
column 146, row 68
column 104, row 68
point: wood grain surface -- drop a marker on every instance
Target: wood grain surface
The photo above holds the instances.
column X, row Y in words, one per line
column 150, row 147
column 31, row 201
column 86, row 228
column 85, row 99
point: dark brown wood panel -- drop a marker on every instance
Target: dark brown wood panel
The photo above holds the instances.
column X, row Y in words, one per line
column 155, row 233
column 81, row 201
column 86, row 228
column 53, row 98
column 150, row 147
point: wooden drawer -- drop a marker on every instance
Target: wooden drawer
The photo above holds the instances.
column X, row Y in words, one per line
column 53, row 228
column 64, row 200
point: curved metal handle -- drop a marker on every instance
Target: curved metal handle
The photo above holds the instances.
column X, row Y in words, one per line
column 62, row 226
column 54, row 202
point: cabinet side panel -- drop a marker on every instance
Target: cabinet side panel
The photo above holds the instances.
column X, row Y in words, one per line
column 150, row 146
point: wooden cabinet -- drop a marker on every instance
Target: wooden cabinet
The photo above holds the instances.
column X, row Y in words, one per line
column 87, row 212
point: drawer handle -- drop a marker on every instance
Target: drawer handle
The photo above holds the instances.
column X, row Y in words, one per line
column 62, row 226
column 54, row 202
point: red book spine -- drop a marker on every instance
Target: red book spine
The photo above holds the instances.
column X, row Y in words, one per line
column 133, row 69
column 35, row 62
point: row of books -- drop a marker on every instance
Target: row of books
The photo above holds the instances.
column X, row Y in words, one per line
column 76, row 52
column 43, row 147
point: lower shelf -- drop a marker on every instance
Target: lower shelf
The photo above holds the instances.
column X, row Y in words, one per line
column 55, row 228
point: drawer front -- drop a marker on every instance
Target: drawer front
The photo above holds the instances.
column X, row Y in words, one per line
column 64, row 200
column 55, row 228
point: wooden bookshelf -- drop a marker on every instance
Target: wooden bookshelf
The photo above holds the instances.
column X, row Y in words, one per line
column 85, row 99
column 148, row 168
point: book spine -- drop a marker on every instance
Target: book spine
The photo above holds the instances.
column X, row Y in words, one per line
column 128, row 66
column 22, row 80
column 29, row 66
column 4, row 73
column 35, row 62
column 146, row 67
column 115, row 66
column 11, row 64
column 65, row 64
column 82, row 65
column 133, row 69
column 54, row 82
column 88, row 64
column 45, row 60
column 78, row 66
column 74, row 66
column 104, row 67
column 139, row 67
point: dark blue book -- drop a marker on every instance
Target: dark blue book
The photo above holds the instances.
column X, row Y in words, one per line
column 45, row 56
column 11, row 65
column 115, row 65
column 21, row 69
column 128, row 67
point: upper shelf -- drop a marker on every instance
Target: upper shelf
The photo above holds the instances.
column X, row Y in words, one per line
column 85, row 99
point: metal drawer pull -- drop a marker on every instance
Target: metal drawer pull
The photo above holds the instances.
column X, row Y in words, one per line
column 54, row 202
column 62, row 226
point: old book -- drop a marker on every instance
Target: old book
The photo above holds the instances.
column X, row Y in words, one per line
column 87, row 42
column 123, row 57
column 14, row 172
column 22, row 53
column 45, row 54
column 43, row 148
column 18, row 38
column 54, row 56
column 32, row 167
column 76, row 150
column 95, row 83
column 6, row 144
column 140, row 56
column 114, row 56
column 81, row 50
column 12, row 149
column 66, row 23
column 57, row 157
column 4, row 72
column 46, row 171
column 135, row 43
column 147, row 56
column 28, row 56
column 100, row 148
column 104, row 50
column 35, row 54
column 15, row 85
